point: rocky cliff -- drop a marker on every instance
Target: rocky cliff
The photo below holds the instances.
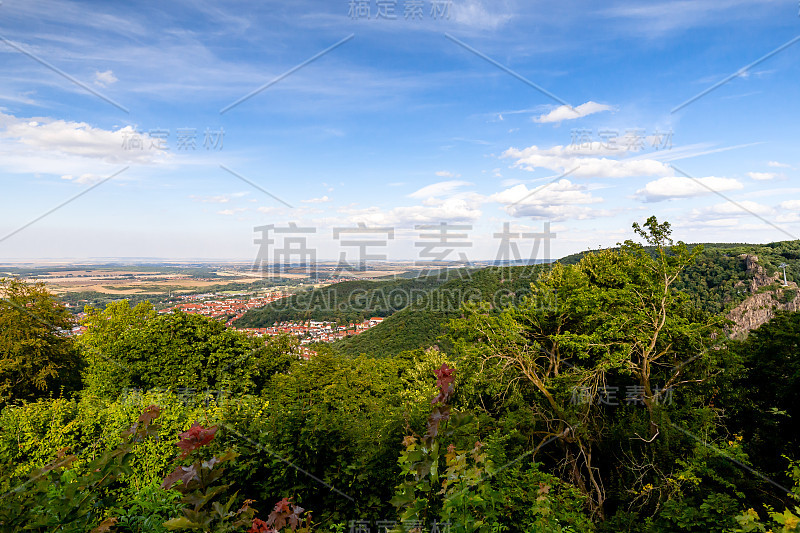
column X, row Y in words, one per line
column 767, row 295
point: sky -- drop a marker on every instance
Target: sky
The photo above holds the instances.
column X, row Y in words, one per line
column 172, row 130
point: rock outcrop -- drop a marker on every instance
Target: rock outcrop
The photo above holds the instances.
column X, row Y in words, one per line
column 760, row 307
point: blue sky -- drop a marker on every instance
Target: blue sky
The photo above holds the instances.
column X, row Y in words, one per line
column 408, row 122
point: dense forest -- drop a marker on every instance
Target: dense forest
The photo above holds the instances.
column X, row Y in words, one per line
column 600, row 393
column 423, row 322
column 713, row 282
column 348, row 301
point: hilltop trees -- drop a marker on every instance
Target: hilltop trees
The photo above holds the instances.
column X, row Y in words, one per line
column 615, row 334
column 600, row 396
column 136, row 348
column 37, row 358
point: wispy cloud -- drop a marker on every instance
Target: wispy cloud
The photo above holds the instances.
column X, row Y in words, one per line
column 587, row 161
column 436, row 190
column 762, row 176
column 104, row 79
column 219, row 199
column 447, row 174
column 682, row 187
column 564, row 112
column 320, row 200
column 560, row 200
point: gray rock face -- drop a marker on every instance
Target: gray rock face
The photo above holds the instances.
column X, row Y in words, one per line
column 759, row 308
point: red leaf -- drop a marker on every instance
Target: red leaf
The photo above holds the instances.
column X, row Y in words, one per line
column 196, row 437
column 181, row 473
column 150, row 414
column 259, row 526
column 106, row 525
column 444, row 380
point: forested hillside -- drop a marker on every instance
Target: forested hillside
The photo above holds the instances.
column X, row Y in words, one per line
column 716, row 282
column 715, row 279
column 347, row 301
column 421, row 324
column 603, row 395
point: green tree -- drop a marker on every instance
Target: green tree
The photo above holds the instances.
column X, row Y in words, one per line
column 613, row 318
column 37, row 356
column 104, row 343
column 764, row 403
column 136, row 348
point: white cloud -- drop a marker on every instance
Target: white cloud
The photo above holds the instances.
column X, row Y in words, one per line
column 561, row 200
column 229, row 212
column 447, row 174
column 320, row 200
column 60, row 147
column 220, row 199
column 566, row 158
column 762, row 176
column 84, row 179
column 788, row 218
column 441, row 202
column 792, row 205
column 728, row 214
column 565, row 112
column 682, row 187
column 449, row 210
column 435, row 190
column 729, row 208
column 776, row 164
column 743, row 217
column 474, row 14
column 104, row 79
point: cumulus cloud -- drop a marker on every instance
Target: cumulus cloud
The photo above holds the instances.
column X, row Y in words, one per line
column 474, row 13
column 682, row 187
column 727, row 214
column 449, row 210
column 61, row 147
column 787, row 218
column 560, row 200
column 320, row 200
column 792, row 205
column 447, row 174
column 442, row 188
column 84, row 179
column 564, row 112
column 104, row 79
column 762, row 176
column 219, row 199
column 776, row 164
column 229, row 212
column 441, row 202
column 587, row 161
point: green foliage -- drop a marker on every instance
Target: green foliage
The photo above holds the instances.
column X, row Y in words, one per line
column 199, row 482
column 615, row 319
column 444, row 482
column 764, row 402
column 61, row 497
column 536, row 501
column 345, row 302
column 37, row 358
column 424, row 322
column 465, row 490
column 147, row 510
column 505, row 445
column 134, row 348
column 331, row 419
column 32, row 434
column 718, row 280
column 787, row 521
